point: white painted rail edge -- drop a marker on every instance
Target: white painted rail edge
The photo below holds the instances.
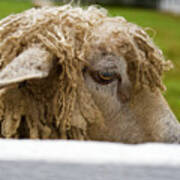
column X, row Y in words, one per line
column 72, row 160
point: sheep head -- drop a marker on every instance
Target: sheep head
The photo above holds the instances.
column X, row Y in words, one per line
column 78, row 74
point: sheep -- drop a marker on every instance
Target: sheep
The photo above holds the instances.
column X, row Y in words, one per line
column 74, row 73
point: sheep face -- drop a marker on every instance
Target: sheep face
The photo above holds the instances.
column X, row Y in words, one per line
column 130, row 116
column 70, row 73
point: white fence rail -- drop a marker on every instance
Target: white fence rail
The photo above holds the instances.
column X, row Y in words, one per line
column 71, row 160
column 170, row 5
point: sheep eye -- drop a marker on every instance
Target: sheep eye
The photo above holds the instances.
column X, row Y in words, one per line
column 104, row 77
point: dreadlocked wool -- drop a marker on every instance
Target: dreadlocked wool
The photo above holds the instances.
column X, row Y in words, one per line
column 68, row 32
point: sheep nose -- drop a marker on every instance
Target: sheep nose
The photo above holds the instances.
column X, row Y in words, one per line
column 124, row 92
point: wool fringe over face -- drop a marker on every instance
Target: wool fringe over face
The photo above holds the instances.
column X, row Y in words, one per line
column 68, row 32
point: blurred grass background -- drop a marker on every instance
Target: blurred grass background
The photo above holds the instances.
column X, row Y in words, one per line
column 166, row 26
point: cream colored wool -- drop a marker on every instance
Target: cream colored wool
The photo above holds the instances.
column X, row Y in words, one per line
column 67, row 33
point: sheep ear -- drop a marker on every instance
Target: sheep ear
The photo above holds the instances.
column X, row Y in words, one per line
column 33, row 63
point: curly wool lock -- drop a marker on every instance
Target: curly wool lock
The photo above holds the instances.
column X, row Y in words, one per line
column 67, row 32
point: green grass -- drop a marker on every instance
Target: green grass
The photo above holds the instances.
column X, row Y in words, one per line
column 13, row 6
column 166, row 26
